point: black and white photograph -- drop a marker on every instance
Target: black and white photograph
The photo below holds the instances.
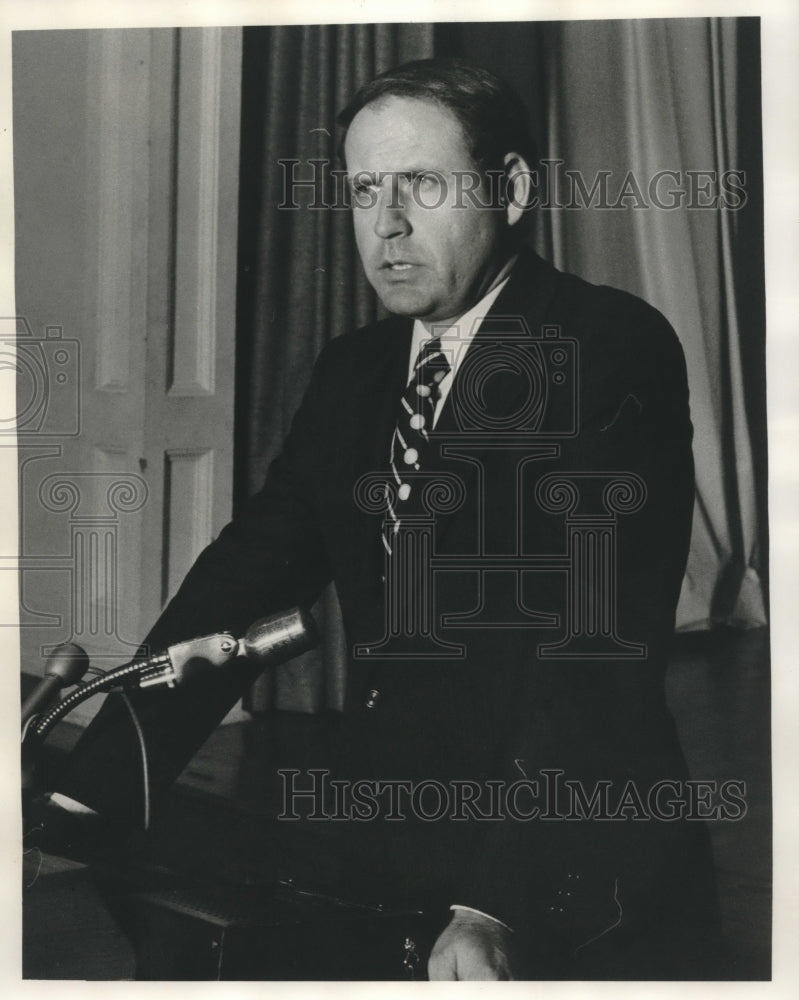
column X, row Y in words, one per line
column 393, row 589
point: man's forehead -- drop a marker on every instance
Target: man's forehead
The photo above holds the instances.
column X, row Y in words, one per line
column 404, row 133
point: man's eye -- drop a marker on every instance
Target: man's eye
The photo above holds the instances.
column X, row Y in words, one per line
column 428, row 184
column 364, row 195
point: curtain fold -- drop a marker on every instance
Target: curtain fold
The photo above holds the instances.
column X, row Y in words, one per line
column 299, row 284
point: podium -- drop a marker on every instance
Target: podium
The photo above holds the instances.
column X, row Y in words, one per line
column 67, row 929
column 198, row 897
column 177, row 906
column 80, row 923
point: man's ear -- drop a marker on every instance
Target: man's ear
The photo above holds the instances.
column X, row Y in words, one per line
column 519, row 187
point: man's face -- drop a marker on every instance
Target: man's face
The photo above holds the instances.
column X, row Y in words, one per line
column 434, row 263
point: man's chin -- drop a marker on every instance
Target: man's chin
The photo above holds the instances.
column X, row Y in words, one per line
column 405, row 302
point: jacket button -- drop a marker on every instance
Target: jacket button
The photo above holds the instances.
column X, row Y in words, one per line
column 372, row 698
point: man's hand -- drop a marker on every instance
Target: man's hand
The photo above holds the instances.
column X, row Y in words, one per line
column 472, row 947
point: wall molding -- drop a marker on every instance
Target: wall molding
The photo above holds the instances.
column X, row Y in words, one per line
column 194, row 329
column 117, row 105
column 188, row 520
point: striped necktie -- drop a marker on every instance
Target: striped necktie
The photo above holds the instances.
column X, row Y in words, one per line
column 411, row 442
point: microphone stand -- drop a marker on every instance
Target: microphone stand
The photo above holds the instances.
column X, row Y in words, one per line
column 60, row 842
column 268, row 640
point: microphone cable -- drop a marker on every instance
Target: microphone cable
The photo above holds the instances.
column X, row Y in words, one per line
column 101, row 678
column 143, row 756
column 145, row 765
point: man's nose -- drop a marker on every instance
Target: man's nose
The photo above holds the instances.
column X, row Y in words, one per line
column 392, row 218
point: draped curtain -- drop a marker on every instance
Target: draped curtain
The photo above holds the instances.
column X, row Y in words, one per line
column 299, row 284
column 624, row 97
column 645, row 97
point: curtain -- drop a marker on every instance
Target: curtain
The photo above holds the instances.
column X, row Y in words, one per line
column 630, row 98
column 663, row 95
column 635, row 98
column 299, row 284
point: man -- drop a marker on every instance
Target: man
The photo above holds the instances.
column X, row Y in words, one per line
column 553, row 415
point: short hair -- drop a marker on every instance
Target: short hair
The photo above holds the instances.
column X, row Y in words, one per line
column 492, row 115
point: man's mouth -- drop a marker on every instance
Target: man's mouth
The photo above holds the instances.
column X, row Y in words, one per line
column 396, row 266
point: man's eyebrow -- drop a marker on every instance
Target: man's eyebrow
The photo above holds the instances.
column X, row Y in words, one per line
column 373, row 176
column 360, row 177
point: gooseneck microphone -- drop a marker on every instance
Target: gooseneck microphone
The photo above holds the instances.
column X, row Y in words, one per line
column 65, row 666
column 274, row 639
column 271, row 640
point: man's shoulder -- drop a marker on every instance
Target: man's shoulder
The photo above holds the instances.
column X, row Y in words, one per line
column 606, row 317
column 358, row 354
column 578, row 296
column 371, row 339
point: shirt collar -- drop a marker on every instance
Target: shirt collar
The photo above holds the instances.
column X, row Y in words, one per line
column 455, row 336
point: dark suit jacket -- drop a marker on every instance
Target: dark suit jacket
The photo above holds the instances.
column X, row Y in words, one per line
column 502, row 710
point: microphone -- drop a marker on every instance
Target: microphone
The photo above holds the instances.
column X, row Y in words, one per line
column 280, row 637
column 271, row 640
column 65, row 666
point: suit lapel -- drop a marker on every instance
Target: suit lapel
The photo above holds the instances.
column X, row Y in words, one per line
column 377, row 395
column 375, row 390
column 526, row 297
column 521, row 306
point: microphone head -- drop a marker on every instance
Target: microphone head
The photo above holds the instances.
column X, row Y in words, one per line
column 69, row 662
column 280, row 637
